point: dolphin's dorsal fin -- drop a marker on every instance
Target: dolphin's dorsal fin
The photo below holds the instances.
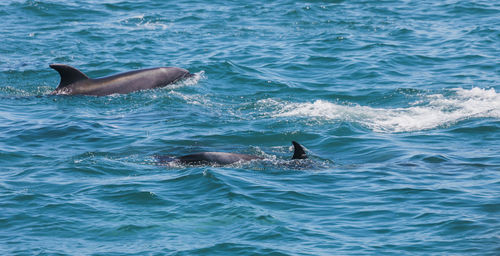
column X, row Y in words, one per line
column 68, row 74
column 298, row 151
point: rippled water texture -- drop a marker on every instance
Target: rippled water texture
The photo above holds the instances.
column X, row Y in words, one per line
column 397, row 103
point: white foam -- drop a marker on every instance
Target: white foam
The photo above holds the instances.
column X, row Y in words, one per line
column 431, row 111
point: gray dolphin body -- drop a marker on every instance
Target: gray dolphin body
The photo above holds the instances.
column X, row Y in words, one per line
column 74, row 82
column 224, row 158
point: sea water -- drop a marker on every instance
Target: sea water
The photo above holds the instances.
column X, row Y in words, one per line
column 397, row 103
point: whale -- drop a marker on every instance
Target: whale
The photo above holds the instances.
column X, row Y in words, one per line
column 74, row 82
column 225, row 158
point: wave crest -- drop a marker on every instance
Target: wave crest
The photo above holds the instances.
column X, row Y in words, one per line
column 432, row 111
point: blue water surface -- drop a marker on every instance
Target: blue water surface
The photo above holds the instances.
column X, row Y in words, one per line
column 397, row 103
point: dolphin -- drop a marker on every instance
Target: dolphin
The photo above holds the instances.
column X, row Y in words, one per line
column 74, row 82
column 225, row 158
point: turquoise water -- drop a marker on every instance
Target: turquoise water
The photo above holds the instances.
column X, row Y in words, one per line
column 397, row 102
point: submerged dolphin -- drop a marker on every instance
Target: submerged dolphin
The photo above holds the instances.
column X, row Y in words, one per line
column 223, row 158
column 73, row 81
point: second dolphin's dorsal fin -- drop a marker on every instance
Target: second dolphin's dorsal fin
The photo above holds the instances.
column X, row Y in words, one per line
column 298, row 151
column 68, row 74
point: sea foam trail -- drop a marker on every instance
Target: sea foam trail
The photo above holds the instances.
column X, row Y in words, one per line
column 431, row 111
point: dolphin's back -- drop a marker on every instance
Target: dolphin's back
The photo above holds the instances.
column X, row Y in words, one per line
column 74, row 81
column 215, row 158
column 223, row 158
column 132, row 81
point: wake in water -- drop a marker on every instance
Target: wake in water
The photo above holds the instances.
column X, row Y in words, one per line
column 189, row 81
column 432, row 111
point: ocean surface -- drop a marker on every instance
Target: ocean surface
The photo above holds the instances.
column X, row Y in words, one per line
column 397, row 103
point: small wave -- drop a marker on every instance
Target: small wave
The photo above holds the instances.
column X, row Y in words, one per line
column 432, row 111
column 146, row 22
